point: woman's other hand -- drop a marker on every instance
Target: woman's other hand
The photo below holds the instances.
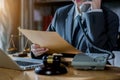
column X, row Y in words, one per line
column 37, row 50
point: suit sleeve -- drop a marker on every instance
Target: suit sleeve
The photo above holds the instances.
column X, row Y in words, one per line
column 52, row 25
column 101, row 29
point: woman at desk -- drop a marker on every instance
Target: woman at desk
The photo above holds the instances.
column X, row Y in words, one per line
column 98, row 23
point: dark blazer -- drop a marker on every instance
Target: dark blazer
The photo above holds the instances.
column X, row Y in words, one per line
column 101, row 27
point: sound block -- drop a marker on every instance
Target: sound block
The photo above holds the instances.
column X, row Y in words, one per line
column 51, row 70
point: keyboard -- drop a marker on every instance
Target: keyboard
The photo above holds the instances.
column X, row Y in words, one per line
column 23, row 63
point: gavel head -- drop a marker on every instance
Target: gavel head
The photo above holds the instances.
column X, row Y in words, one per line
column 51, row 60
column 52, row 66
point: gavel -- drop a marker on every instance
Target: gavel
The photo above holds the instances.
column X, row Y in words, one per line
column 51, row 66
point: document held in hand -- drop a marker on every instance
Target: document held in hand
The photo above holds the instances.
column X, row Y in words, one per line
column 51, row 40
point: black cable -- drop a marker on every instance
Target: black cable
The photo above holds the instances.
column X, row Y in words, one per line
column 97, row 48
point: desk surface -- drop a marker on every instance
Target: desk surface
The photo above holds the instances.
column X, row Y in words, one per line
column 110, row 73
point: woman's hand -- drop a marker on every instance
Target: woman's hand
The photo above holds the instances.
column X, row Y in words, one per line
column 96, row 4
column 37, row 50
column 84, row 5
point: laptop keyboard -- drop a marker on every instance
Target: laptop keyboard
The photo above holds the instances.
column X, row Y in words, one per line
column 23, row 63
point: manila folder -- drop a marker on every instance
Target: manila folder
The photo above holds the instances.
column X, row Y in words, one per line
column 51, row 40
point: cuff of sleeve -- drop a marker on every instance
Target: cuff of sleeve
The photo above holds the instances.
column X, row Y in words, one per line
column 96, row 10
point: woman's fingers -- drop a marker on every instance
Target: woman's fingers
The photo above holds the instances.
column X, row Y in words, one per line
column 37, row 50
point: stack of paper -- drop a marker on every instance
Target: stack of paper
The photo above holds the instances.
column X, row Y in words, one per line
column 50, row 40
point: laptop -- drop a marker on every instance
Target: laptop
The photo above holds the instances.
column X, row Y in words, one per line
column 18, row 63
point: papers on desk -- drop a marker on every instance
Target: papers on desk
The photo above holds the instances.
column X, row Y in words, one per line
column 50, row 40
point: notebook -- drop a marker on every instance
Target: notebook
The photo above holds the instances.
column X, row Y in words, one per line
column 18, row 63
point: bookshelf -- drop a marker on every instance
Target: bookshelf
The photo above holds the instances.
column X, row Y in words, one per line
column 44, row 11
column 32, row 11
column 50, row 1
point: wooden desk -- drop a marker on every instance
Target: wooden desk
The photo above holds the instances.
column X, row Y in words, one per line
column 111, row 73
column 8, row 74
